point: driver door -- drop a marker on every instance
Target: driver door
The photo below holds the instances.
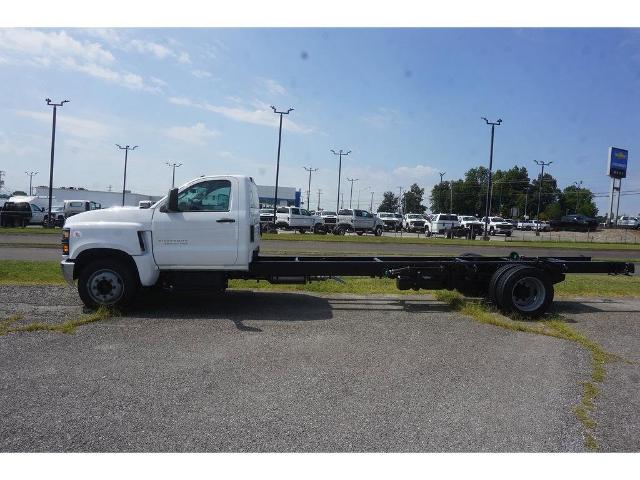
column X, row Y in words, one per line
column 204, row 233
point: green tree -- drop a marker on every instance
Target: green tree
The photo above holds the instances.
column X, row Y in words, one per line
column 439, row 199
column 390, row 203
column 412, row 200
column 548, row 197
column 578, row 200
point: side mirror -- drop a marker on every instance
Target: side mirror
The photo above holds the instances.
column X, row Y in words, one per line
column 172, row 204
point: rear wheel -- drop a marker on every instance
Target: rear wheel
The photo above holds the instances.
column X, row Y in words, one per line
column 378, row 231
column 107, row 282
column 493, row 283
column 527, row 291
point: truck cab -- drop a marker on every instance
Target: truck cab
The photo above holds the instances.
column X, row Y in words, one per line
column 209, row 224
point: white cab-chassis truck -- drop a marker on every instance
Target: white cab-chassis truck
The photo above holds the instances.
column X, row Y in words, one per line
column 208, row 231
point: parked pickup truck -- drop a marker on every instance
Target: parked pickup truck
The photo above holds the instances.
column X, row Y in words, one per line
column 413, row 222
column 391, row 221
column 498, row 225
column 358, row 221
column 445, row 224
column 295, row 218
column 579, row 223
column 208, row 231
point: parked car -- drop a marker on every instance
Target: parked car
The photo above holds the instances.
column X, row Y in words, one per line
column 73, row 207
column 266, row 215
column 579, row 223
column 498, row 225
column 358, row 221
column 295, row 218
column 57, row 213
column 413, row 222
column 629, row 222
column 391, row 222
column 525, row 224
column 541, row 226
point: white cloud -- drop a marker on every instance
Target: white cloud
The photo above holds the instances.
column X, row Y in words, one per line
column 381, row 118
column 60, row 50
column 75, row 126
column 10, row 146
column 417, row 171
column 201, row 73
column 197, row 134
column 260, row 114
column 272, row 87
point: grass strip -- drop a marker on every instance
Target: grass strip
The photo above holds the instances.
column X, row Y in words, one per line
column 68, row 327
column 555, row 327
column 30, row 231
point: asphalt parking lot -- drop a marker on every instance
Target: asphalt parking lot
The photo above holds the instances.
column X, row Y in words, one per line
column 265, row 371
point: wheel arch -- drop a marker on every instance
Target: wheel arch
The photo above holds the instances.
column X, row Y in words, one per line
column 87, row 256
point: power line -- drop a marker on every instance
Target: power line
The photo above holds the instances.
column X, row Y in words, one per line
column 352, row 180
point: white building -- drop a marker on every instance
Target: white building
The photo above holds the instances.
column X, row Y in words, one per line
column 105, row 199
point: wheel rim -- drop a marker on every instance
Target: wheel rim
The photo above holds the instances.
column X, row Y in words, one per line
column 528, row 294
column 105, row 287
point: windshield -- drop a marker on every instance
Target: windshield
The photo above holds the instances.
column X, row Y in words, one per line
column 327, row 214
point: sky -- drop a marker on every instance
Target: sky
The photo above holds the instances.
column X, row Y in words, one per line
column 406, row 102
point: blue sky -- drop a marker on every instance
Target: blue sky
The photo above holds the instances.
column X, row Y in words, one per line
column 407, row 102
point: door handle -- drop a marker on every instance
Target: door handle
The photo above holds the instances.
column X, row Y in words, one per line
column 226, row 220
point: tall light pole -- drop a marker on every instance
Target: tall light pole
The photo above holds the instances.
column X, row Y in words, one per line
column 442, row 174
column 319, row 193
column 400, row 200
column 542, row 164
column 340, row 154
column 579, row 185
column 451, row 198
column 55, row 106
column 126, row 155
column 310, row 170
column 31, row 175
column 173, row 177
column 487, row 207
column 352, row 180
column 371, row 204
column 275, row 199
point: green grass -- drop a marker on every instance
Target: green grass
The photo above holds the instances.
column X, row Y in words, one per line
column 31, row 230
column 444, row 241
column 68, row 326
column 22, row 272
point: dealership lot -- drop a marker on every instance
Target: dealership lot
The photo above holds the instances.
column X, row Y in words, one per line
column 265, row 371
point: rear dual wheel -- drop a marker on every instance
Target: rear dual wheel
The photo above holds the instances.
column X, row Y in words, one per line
column 521, row 289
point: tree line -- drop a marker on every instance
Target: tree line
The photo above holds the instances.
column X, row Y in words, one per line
column 514, row 194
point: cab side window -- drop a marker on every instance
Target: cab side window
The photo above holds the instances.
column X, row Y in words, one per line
column 207, row 196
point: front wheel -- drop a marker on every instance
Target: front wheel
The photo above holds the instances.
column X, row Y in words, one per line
column 378, row 231
column 107, row 282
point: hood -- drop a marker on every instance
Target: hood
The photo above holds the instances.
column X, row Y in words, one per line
column 131, row 215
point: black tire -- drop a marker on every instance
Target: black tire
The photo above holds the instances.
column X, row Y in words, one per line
column 378, row 231
column 508, row 234
column 527, row 291
column 302, row 231
column 359, row 233
column 339, row 231
column 103, row 273
column 318, row 229
column 493, row 283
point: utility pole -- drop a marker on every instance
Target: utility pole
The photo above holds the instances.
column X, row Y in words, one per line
column 371, row 204
column 50, row 221
column 173, row 177
column 340, row 154
column 318, row 207
column 342, row 204
column 400, row 200
column 487, row 207
column 451, row 199
column 542, row 164
column 31, row 175
column 579, row 185
column 275, row 196
column 526, row 199
column 442, row 174
column 309, row 169
column 126, row 155
column 2, row 174
column 352, row 180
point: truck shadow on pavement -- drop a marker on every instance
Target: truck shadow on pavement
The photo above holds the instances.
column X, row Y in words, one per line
column 246, row 305
column 594, row 306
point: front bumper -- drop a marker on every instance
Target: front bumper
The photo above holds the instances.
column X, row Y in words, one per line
column 67, row 267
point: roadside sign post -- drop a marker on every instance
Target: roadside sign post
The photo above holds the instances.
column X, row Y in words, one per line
column 616, row 169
